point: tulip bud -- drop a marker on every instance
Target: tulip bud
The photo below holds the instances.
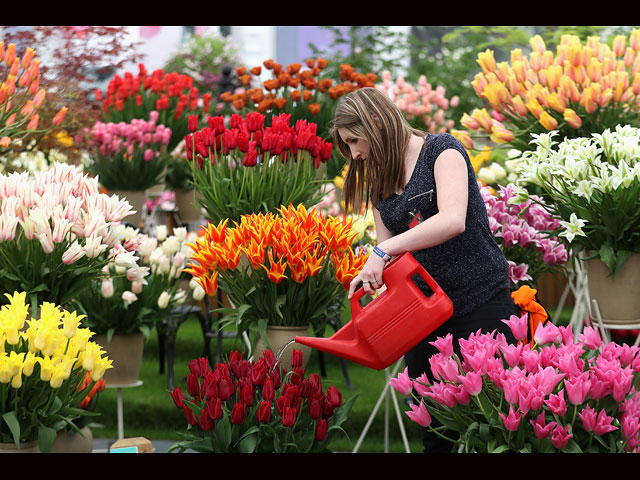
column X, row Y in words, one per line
column 163, row 300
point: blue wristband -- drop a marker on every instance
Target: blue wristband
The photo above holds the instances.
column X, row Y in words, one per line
column 386, row 257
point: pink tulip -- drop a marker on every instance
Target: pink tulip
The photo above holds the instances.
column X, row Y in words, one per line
column 547, row 333
column 421, row 385
column 419, row 414
column 519, row 326
column 472, row 382
column 590, row 337
column 603, row 423
column 444, row 345
column 445, row 368
column 540, row 429
column 560, row 436
column 511, row 421
column 556, row 403
column 402, row 383
column 577, row 388
column 74, row 253
column 588, row 416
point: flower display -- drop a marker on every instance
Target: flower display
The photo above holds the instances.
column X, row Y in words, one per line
column 423, row 106
column 57, row 233
column 171, row 94
column 20, row 95
column 258, row 406
column 579, row 90
column 284, row 269
column 594, row 187
column 44, row 359
column 122, row 303
column 521, row 231
column 245, row 167
column 563, row 393
column 128, row 156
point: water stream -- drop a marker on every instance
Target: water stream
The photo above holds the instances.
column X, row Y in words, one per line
column 280, row 353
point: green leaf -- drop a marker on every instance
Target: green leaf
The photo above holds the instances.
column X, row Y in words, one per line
column 12, row 422
column 249, row 440
column 46, row 438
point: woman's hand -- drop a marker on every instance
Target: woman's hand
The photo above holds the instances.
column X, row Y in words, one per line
column 370, row 276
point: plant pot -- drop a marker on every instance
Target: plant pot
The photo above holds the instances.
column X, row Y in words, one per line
column 25, row 447
column 279, row 337
column 74, row 442
column 188, row 206
column 136, row 199
column 126, row 352
column 617, row 296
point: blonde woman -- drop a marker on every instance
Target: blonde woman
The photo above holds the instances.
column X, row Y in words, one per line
column 423, row 193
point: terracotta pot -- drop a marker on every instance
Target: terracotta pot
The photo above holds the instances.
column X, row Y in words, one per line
column 617, row 296
column 25, row 447
column 74, row 442
column 136, row 199
column 188, row 206
column 279, row 338
column 126, row 352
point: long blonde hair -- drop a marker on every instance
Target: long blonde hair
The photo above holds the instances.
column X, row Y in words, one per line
column 371, row 115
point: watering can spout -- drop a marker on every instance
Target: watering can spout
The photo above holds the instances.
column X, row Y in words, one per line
column 343, row 344
column 393, row 323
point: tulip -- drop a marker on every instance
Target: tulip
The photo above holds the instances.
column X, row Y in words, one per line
column 556, row 403
column 264, row 411
column 560, row 436
column 334, row 396
column 178, row 397
column 512, row 420
column 322, row 427
column 572, row 118
column 403, row 384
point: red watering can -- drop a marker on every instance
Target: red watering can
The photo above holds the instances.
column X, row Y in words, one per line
column 393, row 323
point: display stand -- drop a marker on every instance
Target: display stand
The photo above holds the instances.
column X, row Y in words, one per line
column 386, row 392
column 605, row 327
column 120, row 404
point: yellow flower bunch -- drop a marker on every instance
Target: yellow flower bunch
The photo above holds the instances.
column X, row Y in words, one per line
column 43, row 362
column 578, row 90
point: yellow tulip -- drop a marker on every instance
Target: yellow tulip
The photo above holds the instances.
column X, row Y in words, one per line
column 57, row 376
column 572, row 118
column 557, row 102
column 16, row 380
column 46, row 368
column 516, row 55
column 28, row 364
column 499, row 134
column 479, row 83
column 605, row 97
column 587, row 100
column 4, row 369
column 71, row 320
column 487, row 61
column 619, row 45
column 537, row 44
column 534, row 107
column 101, row 366
column 14, row 363
column 634, row 40
column 483, row 118
column 464, row 138
column 519, row 106
column 548, row 121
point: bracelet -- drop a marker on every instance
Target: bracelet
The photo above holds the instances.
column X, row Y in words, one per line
column 385, row 256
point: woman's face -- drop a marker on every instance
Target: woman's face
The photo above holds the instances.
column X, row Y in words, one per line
column 359, row 147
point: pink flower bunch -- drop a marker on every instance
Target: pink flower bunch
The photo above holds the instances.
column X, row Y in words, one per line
column 522, row 233
column 422, row 105
column 567, row 393
column 146, row 135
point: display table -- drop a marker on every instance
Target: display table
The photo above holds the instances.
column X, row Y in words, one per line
column 120, row 404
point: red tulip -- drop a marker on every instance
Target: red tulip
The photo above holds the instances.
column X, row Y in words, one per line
column 178, row 397
column 225, row 388
column 189, row 414
column 238, row 414
column 193, row 385
column 199, row 366
column 289, row 417
column 205, row 421
column 315, row 407
column 264, row 412
column 192, row 123
column 268, row 392
column 245, row 394
column 251, row 158
column 296, row 358
column 214, row 407
column 321, row 430
column 334, row 396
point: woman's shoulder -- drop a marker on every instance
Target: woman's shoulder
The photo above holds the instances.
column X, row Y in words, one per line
column 439, row 142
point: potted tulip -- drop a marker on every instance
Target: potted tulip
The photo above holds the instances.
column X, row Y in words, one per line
column 259, row 406
column 128, row 158
column 279, row 271
column 44, row 358
column 245, row 167
column 58, row 232
column 560, row 393
column 122, row 307
column 594, row 187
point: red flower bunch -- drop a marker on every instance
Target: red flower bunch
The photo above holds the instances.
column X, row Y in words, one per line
column 172, row 94
column 257, row 406
column 288, row 158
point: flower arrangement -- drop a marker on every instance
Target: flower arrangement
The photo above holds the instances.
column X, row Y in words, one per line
column 246, row 167
column 522, row 233
column 582, row 89
column 423, row 106
column 21, row 96
column 284, row 269
column 171, row 94
column 128, row 156
column 559, row 393
column 44, row 358
column 57, row 233
column 258, row 407
column 594, row 187
column 120, row 303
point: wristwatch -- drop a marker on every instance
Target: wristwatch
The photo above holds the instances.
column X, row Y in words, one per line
column 385, row 256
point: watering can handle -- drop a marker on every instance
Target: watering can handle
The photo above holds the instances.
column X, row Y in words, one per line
column 359, row 293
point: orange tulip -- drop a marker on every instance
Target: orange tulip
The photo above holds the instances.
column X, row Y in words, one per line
column 314, row 108
column 293, row 68
column 619, row 45
column 276, row 270
column 322, row 63
column 27, row 57
column 279, row 103
column 33, row 122
column 295, row 95
column 271, row 84
column 10, row 54
column 59, row 117
column 464, row 138
column 634, row 40
column 268, row 64
column 500, row 134
column 5, row 142
column 257, row 70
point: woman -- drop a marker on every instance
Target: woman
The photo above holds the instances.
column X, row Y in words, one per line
column 425, row 200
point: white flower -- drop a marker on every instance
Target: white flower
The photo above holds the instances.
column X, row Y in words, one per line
column 107, row 288
column 163, row 300
column 498, row 170
column 180, row 233
column 486, row 175
column 129, row 297
column 161, row 232
column 572, row 228
column 171, row 245
column 198, row 293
